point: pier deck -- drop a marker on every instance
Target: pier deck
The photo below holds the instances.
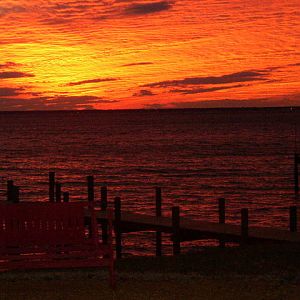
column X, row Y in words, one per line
column 194, row 229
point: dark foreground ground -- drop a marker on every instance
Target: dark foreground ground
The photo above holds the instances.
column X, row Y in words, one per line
column 269, row 272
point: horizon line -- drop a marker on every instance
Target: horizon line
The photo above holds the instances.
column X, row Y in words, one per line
column 156, row 109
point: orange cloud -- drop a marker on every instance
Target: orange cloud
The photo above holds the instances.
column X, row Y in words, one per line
column 147, row 53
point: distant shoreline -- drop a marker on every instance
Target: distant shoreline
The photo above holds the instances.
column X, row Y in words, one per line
column 250, row 108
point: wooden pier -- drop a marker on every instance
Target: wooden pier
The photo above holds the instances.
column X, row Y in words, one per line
column 181, row 228
column 188, row 230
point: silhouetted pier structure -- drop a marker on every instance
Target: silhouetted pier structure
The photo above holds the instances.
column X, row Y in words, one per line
column 181, row 228
column 185, row 229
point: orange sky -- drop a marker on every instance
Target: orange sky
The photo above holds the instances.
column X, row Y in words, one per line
column 111, row 54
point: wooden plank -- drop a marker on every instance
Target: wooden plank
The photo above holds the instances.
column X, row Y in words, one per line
column 214, row 230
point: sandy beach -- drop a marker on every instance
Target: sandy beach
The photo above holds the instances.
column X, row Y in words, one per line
column 204, row 288
column 264, row 272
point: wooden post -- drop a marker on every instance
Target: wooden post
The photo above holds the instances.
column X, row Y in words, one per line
column 91, row 198
column 158, row 214
column 296, row 174
column 221, row 202
column 16, row 194
column 118, row 231
column 103, row 198
column 176, row 229
column 58, row 192
column 90, row 185
column 66, row 197
column 293, row 218
column 10, row 192
column 244, row 225
column 51, row 186
column 103, row 205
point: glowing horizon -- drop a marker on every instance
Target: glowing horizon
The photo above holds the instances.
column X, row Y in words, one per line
column 116, row 54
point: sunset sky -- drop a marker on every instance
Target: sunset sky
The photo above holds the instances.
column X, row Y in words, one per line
column 116, row 54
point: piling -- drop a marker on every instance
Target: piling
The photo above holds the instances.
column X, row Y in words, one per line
column 66, row 197
column 158, row 214
column 244, row 225
column 58, row 192
column 176, row 229
column 15, row 194
column 51, row 186
column 10, row 192
column 221, row 202
column 293, row 218
column 103, row 202
column 103, row 205
column 90, row 186
column 117, row 227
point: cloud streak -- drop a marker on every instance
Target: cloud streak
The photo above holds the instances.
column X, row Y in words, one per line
column 5, row 10
column 10, row 92
column 97, row 80
column 12, row 74
column 243, row 76
column 279, row 101
column 138, row 64
column 143, row 93
column 137, row 9
column 52, row 103
column 204, row 90
column 9, row 65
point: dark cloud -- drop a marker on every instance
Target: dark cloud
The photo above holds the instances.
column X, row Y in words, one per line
column 9, row 65
column 75, row 102
column 4, row 10
column 4, row 75
column 147, row 8
column 204, row 90
column 243, row 76
column 91, row 81
column 59, row 14
column 138, row 64
column 294, row 65
column 154, row 106
column 52, row 103
column 219, row 103
column 55, row 21
column 283, row 101
column 143, row 93
column 10, row 92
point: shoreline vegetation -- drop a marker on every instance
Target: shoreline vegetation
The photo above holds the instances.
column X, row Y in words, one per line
column 249, row 272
